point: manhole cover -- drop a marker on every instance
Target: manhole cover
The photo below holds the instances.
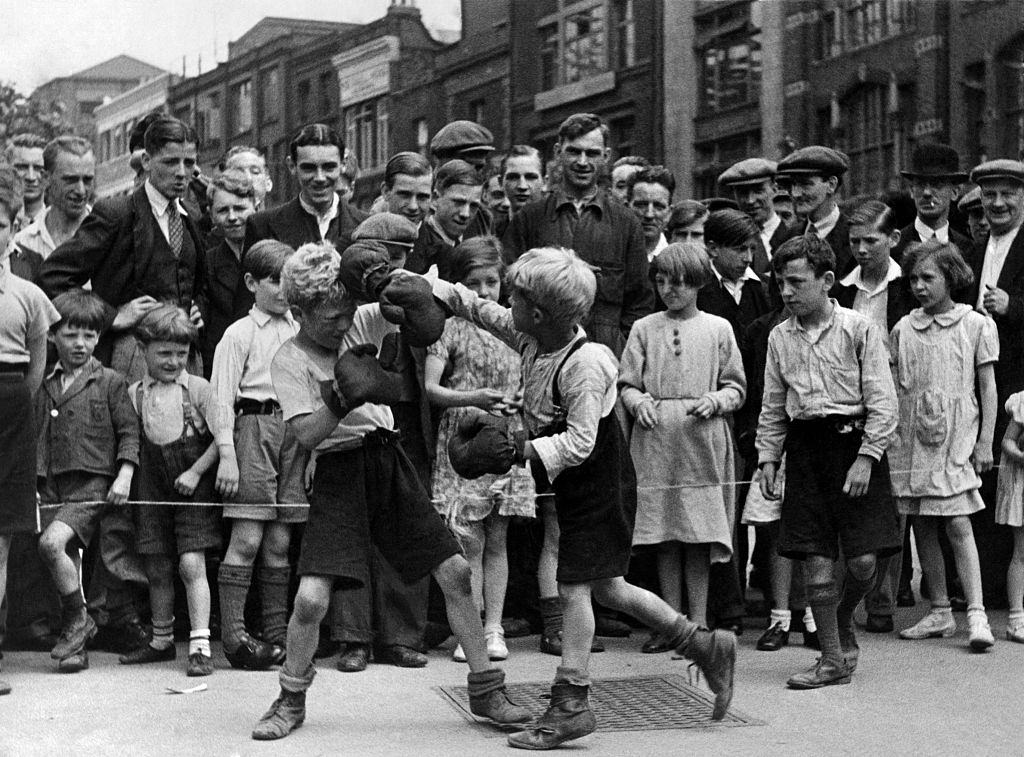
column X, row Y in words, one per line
column 646, row 703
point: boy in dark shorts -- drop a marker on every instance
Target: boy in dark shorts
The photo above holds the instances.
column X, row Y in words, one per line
column 365, row 489
column 88, row 450
column 578, row 447
column 829, row 403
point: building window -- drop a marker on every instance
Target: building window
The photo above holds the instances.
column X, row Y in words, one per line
column 857, row 23
column 476, row 111
column 625, row 34
column 1010, row 98
column 366, row 132
column 104, row 146
column 208, row 121
column 715, row 157
column 867, row 133
column 270, row 95
column 623, row 136
column 731, row 73
column 574, row 45
column 328, row 82
column 241, row 107
column 422, row 135
column 305, row 101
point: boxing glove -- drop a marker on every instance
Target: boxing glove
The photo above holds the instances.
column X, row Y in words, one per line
column 360, row 378
column 482, row 444
column 364, row 269
column 408, row 300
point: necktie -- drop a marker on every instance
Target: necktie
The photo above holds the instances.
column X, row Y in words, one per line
column 175, row 231
column 812, row 229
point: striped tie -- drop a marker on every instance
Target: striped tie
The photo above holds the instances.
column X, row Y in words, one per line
column 175, row 230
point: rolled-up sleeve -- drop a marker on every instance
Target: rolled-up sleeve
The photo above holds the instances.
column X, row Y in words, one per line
column 773, row 422
column 124, row 420
column 879, row 394
column 490, row 316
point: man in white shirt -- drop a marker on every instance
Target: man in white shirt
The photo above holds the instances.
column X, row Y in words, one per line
column 998, row 290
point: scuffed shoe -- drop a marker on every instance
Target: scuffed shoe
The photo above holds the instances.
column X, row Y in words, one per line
column 936, row 624
column 252, row 654
column 496, row 647
column 1015, row 630
column 851, row 650
column 287, row 713
column 488, row 698
column 822, row 673
column 75, row 662
column 147, row 654
column 568, row 717
column 714, row 652
column 73, row 637
column 980, row 634
column 5, row 688
column 199, row 664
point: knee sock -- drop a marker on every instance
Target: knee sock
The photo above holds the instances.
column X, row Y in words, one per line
column 782, row 617
column 233, row 583
column 809, row 623
column 163, row 633
column 199, row 641
column 273, row 587
column 854, row 590
column 822, row 598
column 551, row 614
column 72, row 607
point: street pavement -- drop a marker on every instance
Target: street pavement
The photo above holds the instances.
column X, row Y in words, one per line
column 931, row 697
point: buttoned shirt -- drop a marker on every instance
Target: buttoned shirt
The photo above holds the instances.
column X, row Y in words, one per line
column 840, row 369
column 36, row 237
column 26, row 314
column 926, row 233
column 241, row 364
column 162, row 409
column 873, row 302
column 735, row 288
column 323, row 221
column 774, row 222
column 159, row 204
column 67, row 378
column 824, row 227
column 661, row 244
column 996, row 250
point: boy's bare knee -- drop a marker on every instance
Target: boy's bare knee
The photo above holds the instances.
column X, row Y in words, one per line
column 310, row 607
column 454, row 576
column 861, row 566
column 192, row 566
column 50, row 547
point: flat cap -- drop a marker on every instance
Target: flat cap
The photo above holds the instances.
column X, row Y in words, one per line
column 814, row 159
column 387, row 227
column 720, row 203
column 970, row 201
column 1004, row 168
column 462, row 136
column 749, row 171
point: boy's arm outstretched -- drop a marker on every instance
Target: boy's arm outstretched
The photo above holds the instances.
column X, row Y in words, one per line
column 490, row 316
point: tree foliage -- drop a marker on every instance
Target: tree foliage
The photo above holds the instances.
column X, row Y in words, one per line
column 19, row 114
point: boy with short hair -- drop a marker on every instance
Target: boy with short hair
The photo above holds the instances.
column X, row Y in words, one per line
column 829, row 402
column 182, row 429
column 365, row 489
column 579, row 452
column 270, row 464
column 88, row 450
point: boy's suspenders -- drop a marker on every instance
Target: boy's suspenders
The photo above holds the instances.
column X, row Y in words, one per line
column 188, row 423
column 556, row 393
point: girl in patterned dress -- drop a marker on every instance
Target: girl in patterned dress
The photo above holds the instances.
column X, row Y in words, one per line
column 1010, row 512
column 484, row 378
column 942, row 356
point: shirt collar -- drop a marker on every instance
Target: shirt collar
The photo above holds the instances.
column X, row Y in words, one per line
column 160, row 202
column 853, row 278
column 331, row 213
column 89, row 367
column 921, row 320
column 432, row 223
column 262, row 317
column 927, row 232
column 826, row 224
column 773, row 223
column 748, row 275
column 597, row 201
column 793, row 324
column 182, row 379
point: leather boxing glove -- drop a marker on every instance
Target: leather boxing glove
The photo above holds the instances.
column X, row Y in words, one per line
column 483, row 444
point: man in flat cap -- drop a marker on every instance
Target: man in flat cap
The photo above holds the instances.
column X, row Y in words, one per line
column 812, row 175
column 470, row 142
column 998, row 290
column 579, row 215
column 752, row 182
column 935, row 178
column 397, row 233
column 970, row 206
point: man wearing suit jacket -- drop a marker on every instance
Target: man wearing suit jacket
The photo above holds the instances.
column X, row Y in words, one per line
column 752, row 182
column 935, row 178
column 998, row 290
column 317, row 213
column 812, row 176
column 137, row 251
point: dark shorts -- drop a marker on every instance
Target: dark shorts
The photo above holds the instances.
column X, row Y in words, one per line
column 18, row 513
column 817, row 518
column 596, row 507
column 372, row 494
column 82, row 499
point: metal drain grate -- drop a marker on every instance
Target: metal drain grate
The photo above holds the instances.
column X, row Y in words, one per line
column 646, row 703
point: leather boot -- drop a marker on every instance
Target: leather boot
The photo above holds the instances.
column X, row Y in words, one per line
column 714, row 652
column 568, row 717
column 285, row 715
column 488, row 698
column 551, row 636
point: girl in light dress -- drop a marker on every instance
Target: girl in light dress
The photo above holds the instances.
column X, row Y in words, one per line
column 485, row 375
column 1010, row 512
column 942, row 357
column 681, row 376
